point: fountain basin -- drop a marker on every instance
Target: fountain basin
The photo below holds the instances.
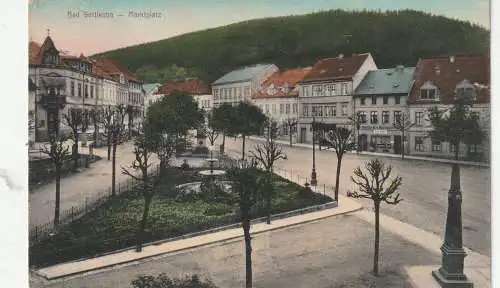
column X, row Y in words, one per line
column 195, row 187
column 212, row 172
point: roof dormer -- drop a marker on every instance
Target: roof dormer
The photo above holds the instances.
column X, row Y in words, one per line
column 429, row 91
column 465, row 89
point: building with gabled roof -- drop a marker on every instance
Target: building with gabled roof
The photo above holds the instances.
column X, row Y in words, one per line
column 325, row 93
column 278, row 98
column 239, row 85
column 437, row 82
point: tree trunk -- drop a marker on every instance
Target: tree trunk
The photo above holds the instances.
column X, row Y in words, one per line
column 96, row 129
column 223, row 141
column 108, row 143
column 403, row 144
column 75, row 153
column 337, row 178
column 377, row 238
column 243, row 148
column 290, row 137
column 58, row 194
column 248, row 251
column 113, row 171
column 147, row 203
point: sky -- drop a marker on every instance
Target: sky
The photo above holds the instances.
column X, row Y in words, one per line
column 89, row 35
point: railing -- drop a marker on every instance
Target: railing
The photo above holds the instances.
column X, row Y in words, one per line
column 90, row 203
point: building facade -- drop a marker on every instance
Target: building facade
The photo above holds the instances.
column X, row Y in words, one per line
column 150, row 94
column 239, row 85
column 278, row 98
column 380, row 101
column 437, row 82
column 78, row 83
column 325, row 93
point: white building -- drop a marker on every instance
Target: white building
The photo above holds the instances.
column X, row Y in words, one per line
column 278, row 98
column 437, row 82
column 380, row 102
column 325, row 93
column 239, row 85
column 150, row 95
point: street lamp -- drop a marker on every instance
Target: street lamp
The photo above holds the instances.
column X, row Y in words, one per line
column 314, row 181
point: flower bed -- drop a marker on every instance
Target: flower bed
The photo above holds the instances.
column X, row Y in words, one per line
column 114, row 225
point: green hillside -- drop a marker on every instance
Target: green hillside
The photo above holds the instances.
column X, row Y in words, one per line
column 392, row 37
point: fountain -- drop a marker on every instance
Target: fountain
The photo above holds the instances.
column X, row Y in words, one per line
column 209, row 182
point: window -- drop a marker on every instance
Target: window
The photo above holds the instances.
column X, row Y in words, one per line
column 386, row 100
column 419, row 144
column 281, row 108
column 247, row 91
column 427, row 93
column 436, row 146
column 318, row 90
column 295, row 108
column 465, row 89
column 362, row 100
column 344, row 109
column 385, row 117
column 72, row 88
column 96, row 94
column 317, row 110
column 397, row 117
column 397, row 99
column 305, row 110
column 332, row 111
column 229, row 94
column 91, row 91
column 267, row 108
column 305, row 91
column 330, row 90
column 344, row 89
column 86, row 91
column 419, row 116
column 79, row 90
column 362, row 117
column 216, row 94
column 474, row 148
column 287, row 109
column 373, row 117
column 273, row 108
column 374, row 100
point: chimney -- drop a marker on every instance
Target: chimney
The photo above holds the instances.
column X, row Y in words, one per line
column 341, row 56
column 452, row 59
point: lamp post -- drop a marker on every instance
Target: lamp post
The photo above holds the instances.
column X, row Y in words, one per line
column 314, row 181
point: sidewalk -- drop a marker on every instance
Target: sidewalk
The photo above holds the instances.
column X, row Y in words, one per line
column 71, row 268
column 366, row 153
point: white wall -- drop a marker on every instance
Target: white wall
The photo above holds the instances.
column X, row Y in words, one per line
column 368, row 65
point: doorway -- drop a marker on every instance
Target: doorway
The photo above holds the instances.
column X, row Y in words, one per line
column 397, row 144
column 303, row 132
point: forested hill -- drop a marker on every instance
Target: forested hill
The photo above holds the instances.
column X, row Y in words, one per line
column 293, row 41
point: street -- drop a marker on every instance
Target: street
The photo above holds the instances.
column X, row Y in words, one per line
column 424, row 189
column 333, row 252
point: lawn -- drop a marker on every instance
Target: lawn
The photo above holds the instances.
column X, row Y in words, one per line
column 114, row 224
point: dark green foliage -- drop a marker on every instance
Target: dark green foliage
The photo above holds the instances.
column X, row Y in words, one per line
column 113, row 225
column 163, row 281
column 296, row 41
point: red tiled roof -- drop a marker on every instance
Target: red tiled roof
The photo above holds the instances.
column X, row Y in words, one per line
column 474, row 68
column 113, row 68
column 278, row 79
column 191, row 86
column 337, row 68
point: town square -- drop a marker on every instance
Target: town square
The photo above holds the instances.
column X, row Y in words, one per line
column 325, row 146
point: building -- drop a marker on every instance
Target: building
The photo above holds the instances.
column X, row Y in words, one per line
column 78, row 83
column 150, row 94
column 31, row 111
column 239, row 85
column 278, row 98
column 325, row 93
column 436, row 83
column 379, row 102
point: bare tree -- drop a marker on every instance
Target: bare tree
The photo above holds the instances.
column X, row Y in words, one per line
column 117, row 130
column 107, row 123
column 148, row 182
column 340, row 140
column 247, row 186
column 372, row 185
column 403, row 124
column 78, row 123
column 95, row 115
column 267, row 154
column 290, row 124
column 58, row 152
column 212, row 135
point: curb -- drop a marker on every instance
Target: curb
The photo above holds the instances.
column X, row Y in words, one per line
column 407, row 157
column 297, row 212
